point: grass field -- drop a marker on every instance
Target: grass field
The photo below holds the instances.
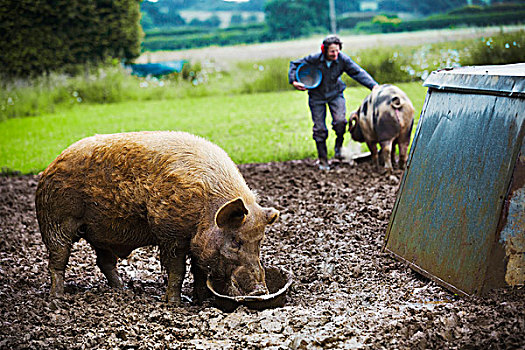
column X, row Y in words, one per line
column 250, row 127
column 225, row 55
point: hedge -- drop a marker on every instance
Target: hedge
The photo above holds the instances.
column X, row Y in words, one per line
column 232, row 36
column 39, row 36
column 495, row 8
column 350, row 21
column 445, row 21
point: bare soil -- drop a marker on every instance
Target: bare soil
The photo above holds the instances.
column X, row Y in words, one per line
column 347, row 293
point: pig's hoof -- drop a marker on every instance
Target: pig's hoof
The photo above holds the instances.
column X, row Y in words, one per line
column 174, row 303
column 56, row 293
column 201, row 295
column 173, row 300
column 117, row 286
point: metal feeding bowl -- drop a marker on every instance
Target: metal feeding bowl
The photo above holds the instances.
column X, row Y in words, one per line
column 362, row 157
column 309, row 75
column 278, row 281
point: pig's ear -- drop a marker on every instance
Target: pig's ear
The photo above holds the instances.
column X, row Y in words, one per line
column 271, row 215
column 231, row 214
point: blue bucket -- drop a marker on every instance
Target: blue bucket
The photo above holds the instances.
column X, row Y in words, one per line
column 309, row 75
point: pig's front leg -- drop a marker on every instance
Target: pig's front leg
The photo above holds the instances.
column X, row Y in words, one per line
column 174, row 260
column 200, row 290
column 375, row 157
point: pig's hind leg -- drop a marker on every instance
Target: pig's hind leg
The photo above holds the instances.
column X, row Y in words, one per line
column 387, row 130
column 404, row 141
column 393, row 154
column 58, row 259
column 59, row 239
column 386, row 155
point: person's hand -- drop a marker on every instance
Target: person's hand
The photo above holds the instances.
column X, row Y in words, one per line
column 375, row 87
column 298, row 86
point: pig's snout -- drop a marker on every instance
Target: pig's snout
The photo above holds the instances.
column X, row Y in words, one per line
column 245, row 281
column 260, row 289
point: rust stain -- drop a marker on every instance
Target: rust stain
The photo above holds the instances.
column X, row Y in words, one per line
column 512, row 233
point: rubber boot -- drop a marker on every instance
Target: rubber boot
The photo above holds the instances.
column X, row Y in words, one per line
column 322, row 152
column 338, row 145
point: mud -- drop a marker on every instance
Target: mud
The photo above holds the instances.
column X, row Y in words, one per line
column 347, row 293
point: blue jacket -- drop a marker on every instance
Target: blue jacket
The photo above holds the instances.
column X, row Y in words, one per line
column 331, row 84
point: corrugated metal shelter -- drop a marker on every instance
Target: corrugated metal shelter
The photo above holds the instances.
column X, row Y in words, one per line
column 459, row 217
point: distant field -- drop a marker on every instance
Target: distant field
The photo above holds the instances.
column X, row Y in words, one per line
column 302, row 47
column 250, row 127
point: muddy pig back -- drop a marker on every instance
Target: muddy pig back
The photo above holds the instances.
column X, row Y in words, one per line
column 124, row 191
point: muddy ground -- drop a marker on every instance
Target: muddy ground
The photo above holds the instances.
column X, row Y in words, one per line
column 347, row 294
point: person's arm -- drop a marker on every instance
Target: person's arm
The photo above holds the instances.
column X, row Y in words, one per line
column 293, row 68
column 291, row 74
column 358, row 74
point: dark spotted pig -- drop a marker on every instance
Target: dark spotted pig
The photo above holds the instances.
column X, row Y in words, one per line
column 171, row 189
column 386, row 117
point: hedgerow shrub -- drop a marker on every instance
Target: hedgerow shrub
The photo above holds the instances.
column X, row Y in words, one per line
column 45, row 36
column 467, row 10
column 179, row 39
column 494, row 8
column 444, row 21
column 349, row 21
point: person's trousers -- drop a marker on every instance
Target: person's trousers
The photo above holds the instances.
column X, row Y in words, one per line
column 337, row 106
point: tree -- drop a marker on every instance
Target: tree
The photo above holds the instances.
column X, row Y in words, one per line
column 342, row 6
column 211, row 22
column 236, row 19
column 163, row 13
column 145, row 21
column 395, row 6
column 40, row 36
column 294, row 18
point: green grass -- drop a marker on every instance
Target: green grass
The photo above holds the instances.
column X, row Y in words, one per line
column 260, row 127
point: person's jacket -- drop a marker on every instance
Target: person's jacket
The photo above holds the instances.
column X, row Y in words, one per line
column 331, row 83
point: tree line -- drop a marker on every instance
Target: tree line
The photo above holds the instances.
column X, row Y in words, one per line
column 40, row 36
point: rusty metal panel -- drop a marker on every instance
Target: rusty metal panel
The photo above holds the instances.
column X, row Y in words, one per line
column 446, row 221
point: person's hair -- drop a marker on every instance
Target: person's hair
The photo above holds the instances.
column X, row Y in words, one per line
column 329, row 40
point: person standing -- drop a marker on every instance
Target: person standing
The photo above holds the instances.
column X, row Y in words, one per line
column 332, row 63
